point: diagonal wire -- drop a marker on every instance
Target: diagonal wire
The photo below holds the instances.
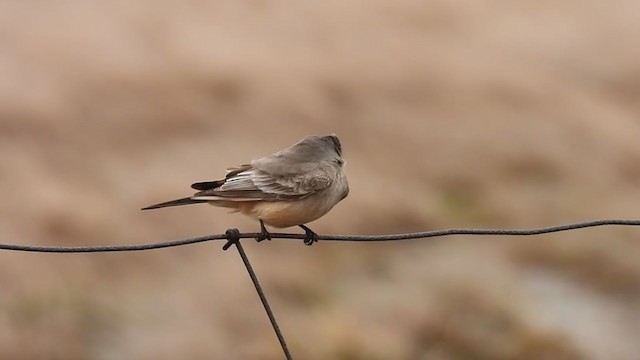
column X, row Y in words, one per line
column 389, row 237
column 234, row 238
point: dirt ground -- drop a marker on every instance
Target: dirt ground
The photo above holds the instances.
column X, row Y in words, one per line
column 452, row 114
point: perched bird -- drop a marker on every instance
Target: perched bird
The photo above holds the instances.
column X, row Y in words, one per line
column 291, row 187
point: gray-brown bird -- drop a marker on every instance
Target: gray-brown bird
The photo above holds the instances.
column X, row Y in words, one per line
column 292, row 187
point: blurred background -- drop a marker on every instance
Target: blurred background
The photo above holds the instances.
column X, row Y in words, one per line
column 451, row 114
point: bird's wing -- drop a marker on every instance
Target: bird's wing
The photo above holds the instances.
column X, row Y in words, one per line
column 251, row 184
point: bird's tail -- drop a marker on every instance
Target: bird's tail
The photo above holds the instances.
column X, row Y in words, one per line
column 179, row 202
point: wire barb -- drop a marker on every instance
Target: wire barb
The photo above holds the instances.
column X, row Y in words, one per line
column 233, row 237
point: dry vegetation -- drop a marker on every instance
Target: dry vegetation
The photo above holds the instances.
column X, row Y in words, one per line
column 451, row 113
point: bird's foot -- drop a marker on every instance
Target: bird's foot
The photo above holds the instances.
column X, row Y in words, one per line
column 264, row 234
column 310, row 236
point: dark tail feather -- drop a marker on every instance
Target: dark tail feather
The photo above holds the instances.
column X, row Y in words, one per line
column 183, row 201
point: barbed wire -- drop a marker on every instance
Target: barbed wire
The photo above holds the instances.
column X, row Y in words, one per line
column 233, row 236
column 327, row 237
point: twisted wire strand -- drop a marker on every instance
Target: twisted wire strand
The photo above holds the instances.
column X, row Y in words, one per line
column 328, row 237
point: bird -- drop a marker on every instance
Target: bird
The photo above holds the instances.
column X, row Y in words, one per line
column 291, row 187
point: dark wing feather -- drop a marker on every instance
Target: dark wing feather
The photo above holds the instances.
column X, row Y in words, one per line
column 207, row 185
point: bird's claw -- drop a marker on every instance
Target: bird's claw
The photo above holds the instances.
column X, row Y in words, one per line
column 264, row 234
column 310, row 236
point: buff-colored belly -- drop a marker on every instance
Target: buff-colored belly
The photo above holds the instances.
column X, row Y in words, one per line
column 281, row 214
column 284, row 213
